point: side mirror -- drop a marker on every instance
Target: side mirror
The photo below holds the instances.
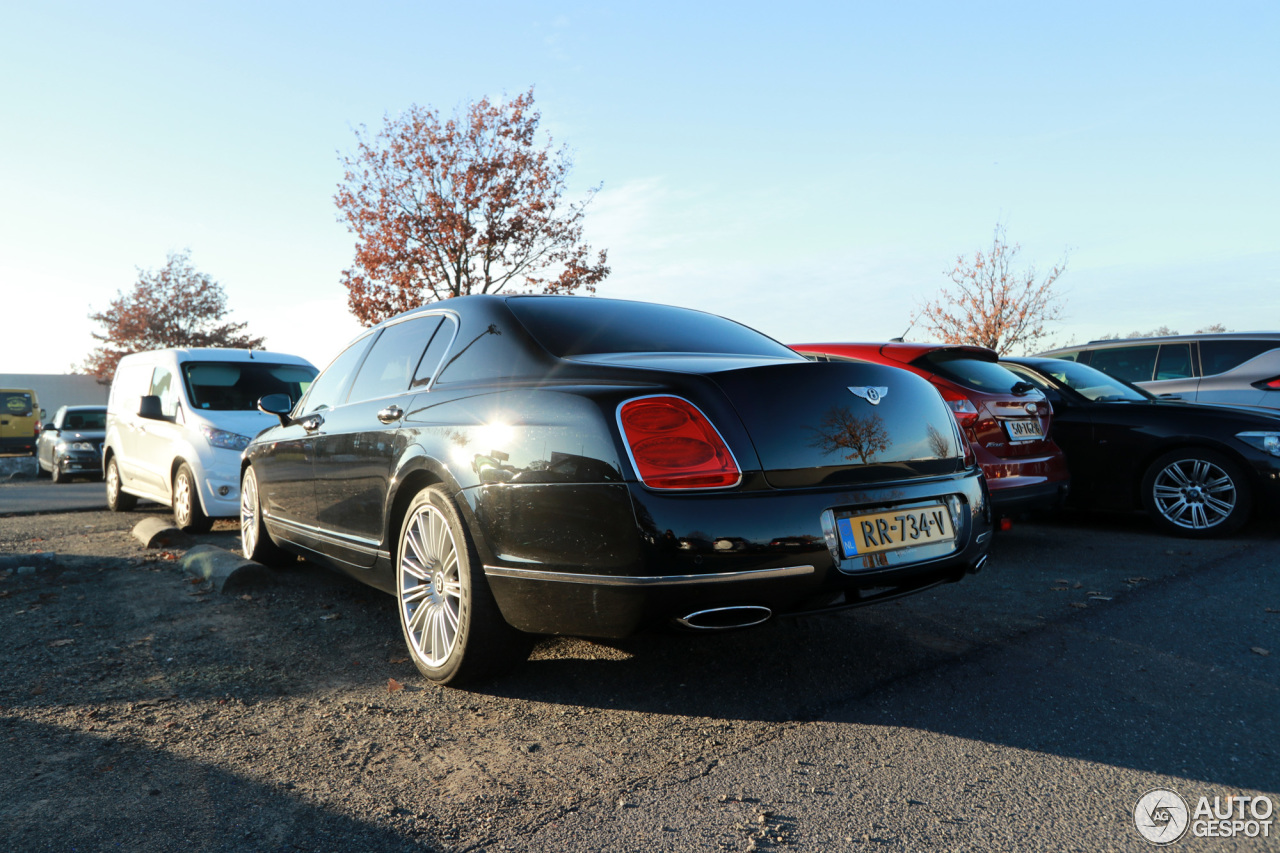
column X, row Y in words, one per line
column 149, row 408
column 48, row 428
column 1170, row 396
column 277, row 404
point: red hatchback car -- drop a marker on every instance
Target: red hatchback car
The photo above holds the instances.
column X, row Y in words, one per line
column 1005, row 419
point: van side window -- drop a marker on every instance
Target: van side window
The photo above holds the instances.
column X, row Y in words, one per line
column 162, row 386
column 391, row 361
column 1132, row 364
column 330, row 388
column 1221, row 356
column 1175, row 362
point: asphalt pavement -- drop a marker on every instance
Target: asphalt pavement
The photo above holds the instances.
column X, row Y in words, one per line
column 31, row 496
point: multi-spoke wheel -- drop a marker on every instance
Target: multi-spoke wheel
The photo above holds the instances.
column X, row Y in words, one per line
column 188, row 514
column 451, row 622
column 117, row 500
column 1196, row 492
column 255, row 542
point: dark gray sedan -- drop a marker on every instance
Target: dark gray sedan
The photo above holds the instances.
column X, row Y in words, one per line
column 71, row 445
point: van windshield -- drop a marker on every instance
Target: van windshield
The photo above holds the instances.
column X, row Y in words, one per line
column 222, row 386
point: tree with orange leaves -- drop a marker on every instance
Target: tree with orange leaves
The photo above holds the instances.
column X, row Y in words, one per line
column 992, row 304
column 174, row 306
column 471, row 204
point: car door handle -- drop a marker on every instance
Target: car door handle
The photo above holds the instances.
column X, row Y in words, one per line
column 391, row 413
column 311, row 423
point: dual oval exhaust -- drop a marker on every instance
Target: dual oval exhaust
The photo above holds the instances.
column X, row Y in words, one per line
column 726, row 618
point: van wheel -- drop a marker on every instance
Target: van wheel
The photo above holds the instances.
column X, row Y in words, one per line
column 450, row 621
column 187, row 512
column 117, row 500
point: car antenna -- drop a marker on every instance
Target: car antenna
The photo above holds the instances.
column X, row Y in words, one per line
column 902, row 337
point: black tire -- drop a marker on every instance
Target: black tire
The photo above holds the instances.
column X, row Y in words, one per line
column 188, row 514
column 56, row 474
column 255, row 541
column 1197, row 493
column 451, row 624
column 117, row 500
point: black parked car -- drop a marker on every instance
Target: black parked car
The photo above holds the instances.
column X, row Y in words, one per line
column 1197, row 468
column 71, row 444
column 569, row 465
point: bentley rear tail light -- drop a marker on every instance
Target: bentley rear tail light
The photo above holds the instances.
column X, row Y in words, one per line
column 961, row 406
column 1268, row 384
column 674, row 446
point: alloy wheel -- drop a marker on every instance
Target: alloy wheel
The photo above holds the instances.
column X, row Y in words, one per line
column 430, row 586
column 1194, row 494
column 248, row 513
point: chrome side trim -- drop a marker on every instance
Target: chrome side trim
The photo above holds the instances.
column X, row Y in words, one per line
column 362, row 545
column 640, row 581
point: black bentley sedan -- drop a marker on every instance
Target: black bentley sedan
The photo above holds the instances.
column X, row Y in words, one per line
column 1198, row 469
column 517, row 465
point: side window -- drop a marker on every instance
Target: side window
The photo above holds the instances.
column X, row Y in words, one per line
column 163, row 386
column 389, row 367
column 1221, row 356
column 1132, row 364
column 1066, row 356
column 488, row 353
column 434, row 352
column 1175, row 362
column 131, row 383
column 324, row 393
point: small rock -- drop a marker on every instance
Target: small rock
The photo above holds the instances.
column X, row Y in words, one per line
column 1258, row 650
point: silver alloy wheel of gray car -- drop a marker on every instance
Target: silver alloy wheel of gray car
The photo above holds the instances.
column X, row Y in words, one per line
column 1194, row 494
column 430, row 586
column 182, row 498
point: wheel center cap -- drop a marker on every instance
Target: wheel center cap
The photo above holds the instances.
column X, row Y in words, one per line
column 1194, row 494
column 437, row 583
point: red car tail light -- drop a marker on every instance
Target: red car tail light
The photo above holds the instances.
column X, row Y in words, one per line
column 674, row 446
column 1268, row 384
column 961, row 406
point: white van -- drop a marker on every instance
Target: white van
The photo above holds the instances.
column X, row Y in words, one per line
column 177, row 420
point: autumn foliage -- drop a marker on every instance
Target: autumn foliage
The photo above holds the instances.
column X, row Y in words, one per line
column 993, row 305
column 174, row 306
column 470, row 204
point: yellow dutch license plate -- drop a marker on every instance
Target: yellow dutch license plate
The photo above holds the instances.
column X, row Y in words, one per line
column 898, row 528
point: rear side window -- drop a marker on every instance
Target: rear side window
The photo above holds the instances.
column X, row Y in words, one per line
column 391, row 362
column 15, row 403
column 1175, row 362
column 1221, row 356
column 1132, row 364
column 131, row 383
column 577, row 325
column 970, row 372
column 434, row 352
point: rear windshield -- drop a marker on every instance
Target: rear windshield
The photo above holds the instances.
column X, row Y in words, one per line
column 16, row 403
column 576, row 325
column 223, row 386
column 1090, row 383
column 970, row 372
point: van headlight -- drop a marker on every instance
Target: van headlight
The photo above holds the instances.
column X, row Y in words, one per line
column 1267, row 442
column 224, row 439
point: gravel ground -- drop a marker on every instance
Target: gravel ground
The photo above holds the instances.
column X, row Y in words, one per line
column 142, row 711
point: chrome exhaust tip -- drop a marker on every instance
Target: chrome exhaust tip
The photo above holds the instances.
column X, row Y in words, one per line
column 977, row 567
column 726, row 618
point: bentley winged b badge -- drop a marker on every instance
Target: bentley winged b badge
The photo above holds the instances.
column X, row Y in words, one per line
column 870, row 393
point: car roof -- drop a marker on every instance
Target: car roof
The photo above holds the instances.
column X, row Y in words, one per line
column 897, row 350
column 1158, row 339
column 222, row 354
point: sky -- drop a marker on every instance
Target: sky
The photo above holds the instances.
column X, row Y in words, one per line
column 810, row 169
